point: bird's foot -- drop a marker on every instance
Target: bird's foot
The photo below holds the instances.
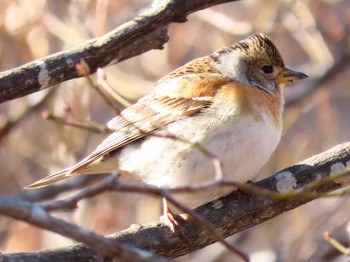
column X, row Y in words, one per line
column 173, row 219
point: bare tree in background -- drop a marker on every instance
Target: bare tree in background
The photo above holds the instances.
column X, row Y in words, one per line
column 312, row 35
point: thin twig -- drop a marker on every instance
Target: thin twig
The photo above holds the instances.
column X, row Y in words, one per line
column 206, row 226
column 308, row 191
column 84, row 70
column 335, row 243
column 12, row 123
column 88, row 125
column 103, row 84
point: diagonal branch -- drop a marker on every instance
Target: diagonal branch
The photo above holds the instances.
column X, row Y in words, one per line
column 139, row 35
column 231, row 214
column 35, row 215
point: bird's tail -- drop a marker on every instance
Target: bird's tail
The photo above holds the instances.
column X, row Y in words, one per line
column 49, row 179
column 84, row 167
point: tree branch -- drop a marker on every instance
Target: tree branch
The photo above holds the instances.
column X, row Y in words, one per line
column 230, row 214
column 143, row 33
column 35, row 215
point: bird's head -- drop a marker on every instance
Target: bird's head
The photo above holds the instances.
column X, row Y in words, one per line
column 255, row 61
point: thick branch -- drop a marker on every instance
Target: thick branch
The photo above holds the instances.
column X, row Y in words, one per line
column 230, row 214
column 143, row 33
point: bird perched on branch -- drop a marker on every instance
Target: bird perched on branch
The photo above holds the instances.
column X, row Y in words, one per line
column 226, row 106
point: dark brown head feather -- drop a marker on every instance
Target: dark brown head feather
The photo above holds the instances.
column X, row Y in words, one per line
column 253, row 46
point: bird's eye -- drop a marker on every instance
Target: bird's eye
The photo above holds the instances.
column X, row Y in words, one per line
column 268, row 69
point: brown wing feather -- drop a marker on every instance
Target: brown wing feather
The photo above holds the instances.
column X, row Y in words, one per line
column 195, row 86
column 198, row 82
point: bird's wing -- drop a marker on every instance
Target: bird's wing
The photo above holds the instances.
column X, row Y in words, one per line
column 183, row 97
column 187, row 92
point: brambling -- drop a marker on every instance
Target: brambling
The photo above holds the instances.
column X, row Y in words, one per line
column 230, row 103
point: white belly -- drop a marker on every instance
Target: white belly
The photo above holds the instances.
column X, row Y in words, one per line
column 242, row 144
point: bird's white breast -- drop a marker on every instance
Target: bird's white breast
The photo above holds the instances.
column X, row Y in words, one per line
column 242, row 143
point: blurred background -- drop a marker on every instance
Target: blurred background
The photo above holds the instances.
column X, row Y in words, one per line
column 312, row 36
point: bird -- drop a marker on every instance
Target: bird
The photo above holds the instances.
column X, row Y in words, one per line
column 227, row 105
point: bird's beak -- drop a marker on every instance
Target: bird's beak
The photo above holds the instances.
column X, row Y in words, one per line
column 289, row 75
